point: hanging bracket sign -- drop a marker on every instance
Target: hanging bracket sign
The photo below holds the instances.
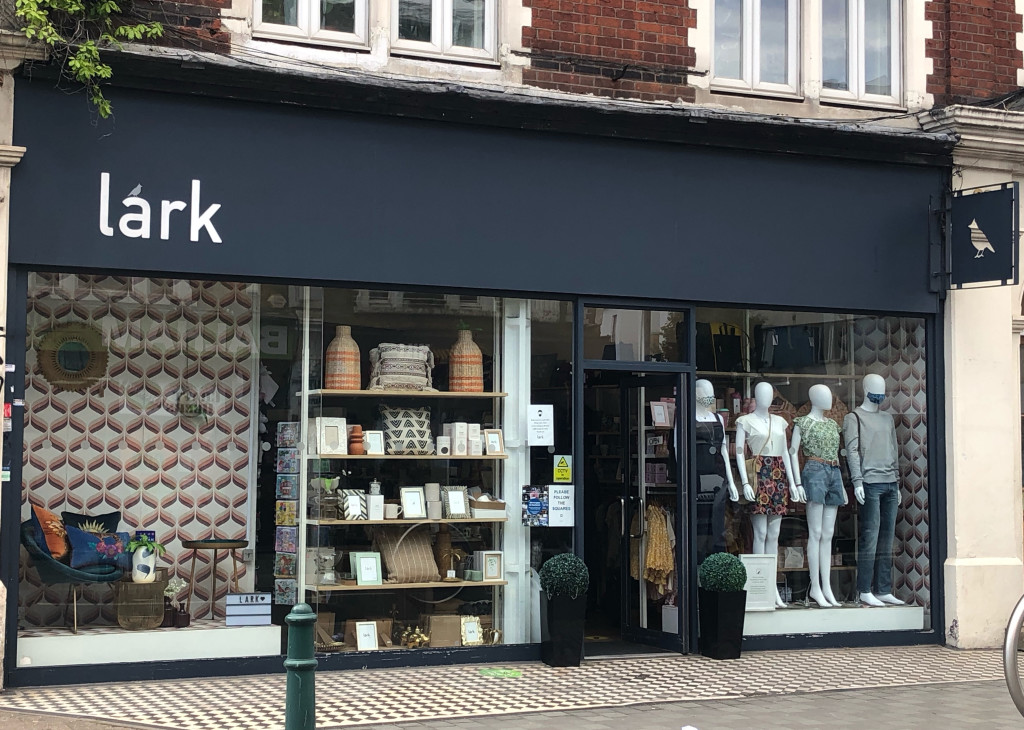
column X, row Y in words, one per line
column 984, row 235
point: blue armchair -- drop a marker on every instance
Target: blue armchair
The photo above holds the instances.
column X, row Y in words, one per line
column 53, row 572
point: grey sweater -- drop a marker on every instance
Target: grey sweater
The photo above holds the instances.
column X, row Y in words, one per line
column 872, row 455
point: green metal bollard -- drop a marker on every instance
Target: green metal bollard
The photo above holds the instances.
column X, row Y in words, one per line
column 300, row 695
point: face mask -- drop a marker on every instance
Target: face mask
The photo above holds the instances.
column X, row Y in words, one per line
column 876, row 398
column 706, row 401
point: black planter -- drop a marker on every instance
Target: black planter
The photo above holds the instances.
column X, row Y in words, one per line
column 721, row 623
column 562, row 630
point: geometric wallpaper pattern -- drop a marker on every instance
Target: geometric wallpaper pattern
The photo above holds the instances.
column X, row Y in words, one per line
column 123, row 444
column 894, row 347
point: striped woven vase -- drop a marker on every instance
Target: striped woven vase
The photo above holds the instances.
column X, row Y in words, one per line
column 342, row 366
column 466, row 365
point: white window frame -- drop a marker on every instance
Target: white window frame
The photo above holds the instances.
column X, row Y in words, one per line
column 308, row 25
column 856, row 52
column 751, row 66
column 441, row 34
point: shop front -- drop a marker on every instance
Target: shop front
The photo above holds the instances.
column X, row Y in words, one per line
column 303, row 352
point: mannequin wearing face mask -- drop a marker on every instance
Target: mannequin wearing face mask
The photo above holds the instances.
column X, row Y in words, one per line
column 771, row 486
column 872, row 455
column 714, row 477
column 823, row 485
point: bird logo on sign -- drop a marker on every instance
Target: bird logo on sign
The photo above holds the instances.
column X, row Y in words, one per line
column 979, row 240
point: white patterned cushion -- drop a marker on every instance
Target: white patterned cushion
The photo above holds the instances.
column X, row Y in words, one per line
column 407, row 431
column 401, row 367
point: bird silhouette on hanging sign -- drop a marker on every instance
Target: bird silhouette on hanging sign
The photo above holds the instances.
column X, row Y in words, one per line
column 979, row 240
column 135, row 191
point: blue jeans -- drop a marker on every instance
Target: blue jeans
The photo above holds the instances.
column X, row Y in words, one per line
column 874, row 547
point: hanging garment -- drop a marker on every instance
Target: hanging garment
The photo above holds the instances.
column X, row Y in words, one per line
column 658, row 561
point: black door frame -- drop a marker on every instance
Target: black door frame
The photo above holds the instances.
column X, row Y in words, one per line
column 686, row 547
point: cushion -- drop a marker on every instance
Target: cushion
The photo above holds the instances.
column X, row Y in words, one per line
column 401, row 367
column 407, row 559
column 407, row 431
column 90, row 548
column 101, row 524
column 50, row 533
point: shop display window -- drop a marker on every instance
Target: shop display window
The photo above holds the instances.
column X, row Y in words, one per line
column 791, row 366
column 399, row 457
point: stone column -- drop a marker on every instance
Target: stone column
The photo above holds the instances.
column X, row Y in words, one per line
column 984, row 568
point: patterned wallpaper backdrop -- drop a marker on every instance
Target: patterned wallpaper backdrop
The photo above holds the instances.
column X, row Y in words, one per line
column 894, row 347
column 121, row 445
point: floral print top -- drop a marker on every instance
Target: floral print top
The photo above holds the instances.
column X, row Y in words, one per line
column 819, row 438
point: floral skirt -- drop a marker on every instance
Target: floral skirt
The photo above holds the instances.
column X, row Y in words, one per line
column 771, row 495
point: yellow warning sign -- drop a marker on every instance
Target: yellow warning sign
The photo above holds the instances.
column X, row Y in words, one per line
column 563, row 469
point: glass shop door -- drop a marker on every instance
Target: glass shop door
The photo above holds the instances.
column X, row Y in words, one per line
column 653, row 578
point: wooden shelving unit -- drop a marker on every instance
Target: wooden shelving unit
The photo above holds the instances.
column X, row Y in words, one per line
column 400, row 521
column 407, row 586
column 401, row 394
column 388, row 457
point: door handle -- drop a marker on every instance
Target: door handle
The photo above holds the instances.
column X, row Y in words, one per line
column 642, row 523
column 622, row 516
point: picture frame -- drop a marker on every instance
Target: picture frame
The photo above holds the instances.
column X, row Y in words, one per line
column 494, row 442
column 373, row 443
column 660, row 414
column 366, row 636
column 472, row 631
column 366, row 568
column 331, row 436
column 414, row 504
column 491, row 565
column 455, row 503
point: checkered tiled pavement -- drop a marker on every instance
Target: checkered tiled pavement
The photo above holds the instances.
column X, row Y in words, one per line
column 396, row 696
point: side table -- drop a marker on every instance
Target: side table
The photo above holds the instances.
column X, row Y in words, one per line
column 140, row 606
column 216, row 546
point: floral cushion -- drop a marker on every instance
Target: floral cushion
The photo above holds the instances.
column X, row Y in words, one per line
column 90, row 548
column 50, row 533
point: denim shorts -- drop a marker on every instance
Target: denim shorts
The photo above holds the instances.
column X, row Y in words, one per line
column 823, row 483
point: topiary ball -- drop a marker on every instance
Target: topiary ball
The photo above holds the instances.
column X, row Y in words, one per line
column 722, row 572
column 564, row 575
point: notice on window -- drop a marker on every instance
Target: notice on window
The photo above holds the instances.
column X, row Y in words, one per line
column 563, row 469
column 542, row 425
column 760, row 585
column 561, row 505
column 535, row 506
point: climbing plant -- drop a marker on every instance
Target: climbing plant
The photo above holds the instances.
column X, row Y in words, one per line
column 76, row 30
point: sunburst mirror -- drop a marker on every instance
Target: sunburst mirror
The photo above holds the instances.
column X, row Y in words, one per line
column 72, row 356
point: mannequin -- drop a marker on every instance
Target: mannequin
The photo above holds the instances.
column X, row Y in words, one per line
column 713, row 473
column 768, row 495
column 823, row 486
column 875, row 474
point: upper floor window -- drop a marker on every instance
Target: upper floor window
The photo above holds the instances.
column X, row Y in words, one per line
column 772, row 46
column 756, row 44
column 860, row 49
column 456, row 28
column 463, row 28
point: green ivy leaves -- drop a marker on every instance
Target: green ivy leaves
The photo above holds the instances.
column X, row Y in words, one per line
column 76, row 30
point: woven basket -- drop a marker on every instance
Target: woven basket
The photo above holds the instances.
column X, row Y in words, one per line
column 466, row 365
column 342, row 366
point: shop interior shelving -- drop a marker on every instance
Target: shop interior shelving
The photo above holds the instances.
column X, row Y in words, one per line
column 340, row 533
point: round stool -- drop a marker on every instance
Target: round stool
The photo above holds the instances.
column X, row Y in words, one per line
column 215, row 545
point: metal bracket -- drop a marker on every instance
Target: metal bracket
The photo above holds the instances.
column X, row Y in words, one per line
column 939, row 235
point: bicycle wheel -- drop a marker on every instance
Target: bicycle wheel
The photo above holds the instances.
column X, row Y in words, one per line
column 1013, row 653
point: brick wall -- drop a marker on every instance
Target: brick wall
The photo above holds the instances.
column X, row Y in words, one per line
column 620, row 48
column 193, row 25
column 973, row 49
